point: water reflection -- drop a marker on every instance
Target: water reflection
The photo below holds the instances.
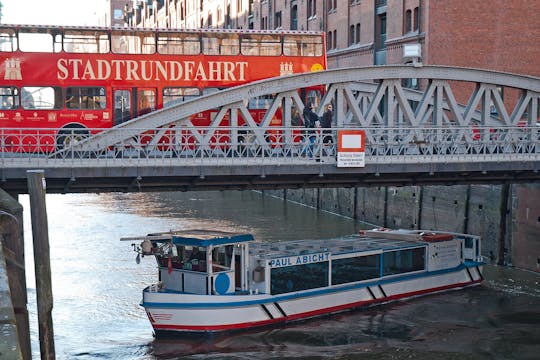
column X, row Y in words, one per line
column 97, row 288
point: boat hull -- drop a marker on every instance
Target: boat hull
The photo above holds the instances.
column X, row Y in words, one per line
column 180, row 312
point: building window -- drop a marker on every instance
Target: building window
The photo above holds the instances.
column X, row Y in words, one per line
column 218, row 15
column 358, row 33
column 332, row 5
column 380, row 42
column 312, row 8
column 277, row 20
column 351, row 35
column 294, row 17
column 416, row 19
column 335, row 39
column 408, row 21
column 329, row 41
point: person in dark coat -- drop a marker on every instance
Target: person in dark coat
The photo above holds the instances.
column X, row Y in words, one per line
column 326, row 122
column 310, row 122
column 310, row 118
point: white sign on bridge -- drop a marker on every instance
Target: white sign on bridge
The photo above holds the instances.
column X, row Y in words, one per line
column 351, row 148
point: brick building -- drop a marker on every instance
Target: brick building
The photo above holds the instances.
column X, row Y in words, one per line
column 497, row 35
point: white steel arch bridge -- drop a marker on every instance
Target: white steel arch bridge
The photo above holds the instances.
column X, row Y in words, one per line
column 467, row 126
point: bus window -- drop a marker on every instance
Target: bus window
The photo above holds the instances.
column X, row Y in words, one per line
column 305, row 45
column 261, row 102
column 314, row 97
column 46, row 97
column 86, row 41
column 312, row 45
column 36, row 42
column 291, row 46
column 9, row 98
column 173, row 96
column 220, row 44
column 173, row 43
column 8, row 40
column 146, row 101
column 211, row 90
column 257, row 44
column 133, row 42
column 85, row 98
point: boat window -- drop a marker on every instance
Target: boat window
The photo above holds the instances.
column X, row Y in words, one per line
column 193, row 258
column 402, row 261
column 221, row 258
column 355, row 269
column 299, row 277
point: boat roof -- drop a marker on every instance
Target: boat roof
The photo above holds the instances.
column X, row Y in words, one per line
column 195, row 237
column 336, row 246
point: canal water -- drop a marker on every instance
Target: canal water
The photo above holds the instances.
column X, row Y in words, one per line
column 97, row 288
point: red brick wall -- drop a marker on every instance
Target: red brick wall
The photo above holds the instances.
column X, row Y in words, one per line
column 497, row 34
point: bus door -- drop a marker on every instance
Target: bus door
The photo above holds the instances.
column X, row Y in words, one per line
column 122, row 106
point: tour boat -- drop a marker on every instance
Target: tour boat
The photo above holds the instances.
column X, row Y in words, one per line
column 212, row 281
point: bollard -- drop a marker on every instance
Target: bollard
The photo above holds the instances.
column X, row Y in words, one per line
column 42, row 261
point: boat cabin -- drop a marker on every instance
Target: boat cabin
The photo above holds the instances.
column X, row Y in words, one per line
column 199, row 261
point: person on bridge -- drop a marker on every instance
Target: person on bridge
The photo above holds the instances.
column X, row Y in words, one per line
column 326, row 122
column 311, row 121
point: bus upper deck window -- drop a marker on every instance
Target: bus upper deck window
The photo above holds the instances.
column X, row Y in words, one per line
column 36, row 42
column 181, row 44
column 221, row 44
column 8, row 40
column 86, row 41
column 261, row 45
column 133, row 42
column 312, row 45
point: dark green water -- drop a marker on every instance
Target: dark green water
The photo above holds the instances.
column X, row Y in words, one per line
column 97, row 288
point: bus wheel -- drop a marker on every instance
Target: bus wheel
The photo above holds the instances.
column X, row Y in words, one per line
column 68, row 137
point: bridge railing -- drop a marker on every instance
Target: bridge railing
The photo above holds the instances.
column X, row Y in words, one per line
column 382, row 144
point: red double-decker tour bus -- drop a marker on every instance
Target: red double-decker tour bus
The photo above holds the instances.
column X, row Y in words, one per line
column 66, row 78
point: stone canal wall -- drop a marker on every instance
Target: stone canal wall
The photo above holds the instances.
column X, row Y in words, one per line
column 475, row 209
